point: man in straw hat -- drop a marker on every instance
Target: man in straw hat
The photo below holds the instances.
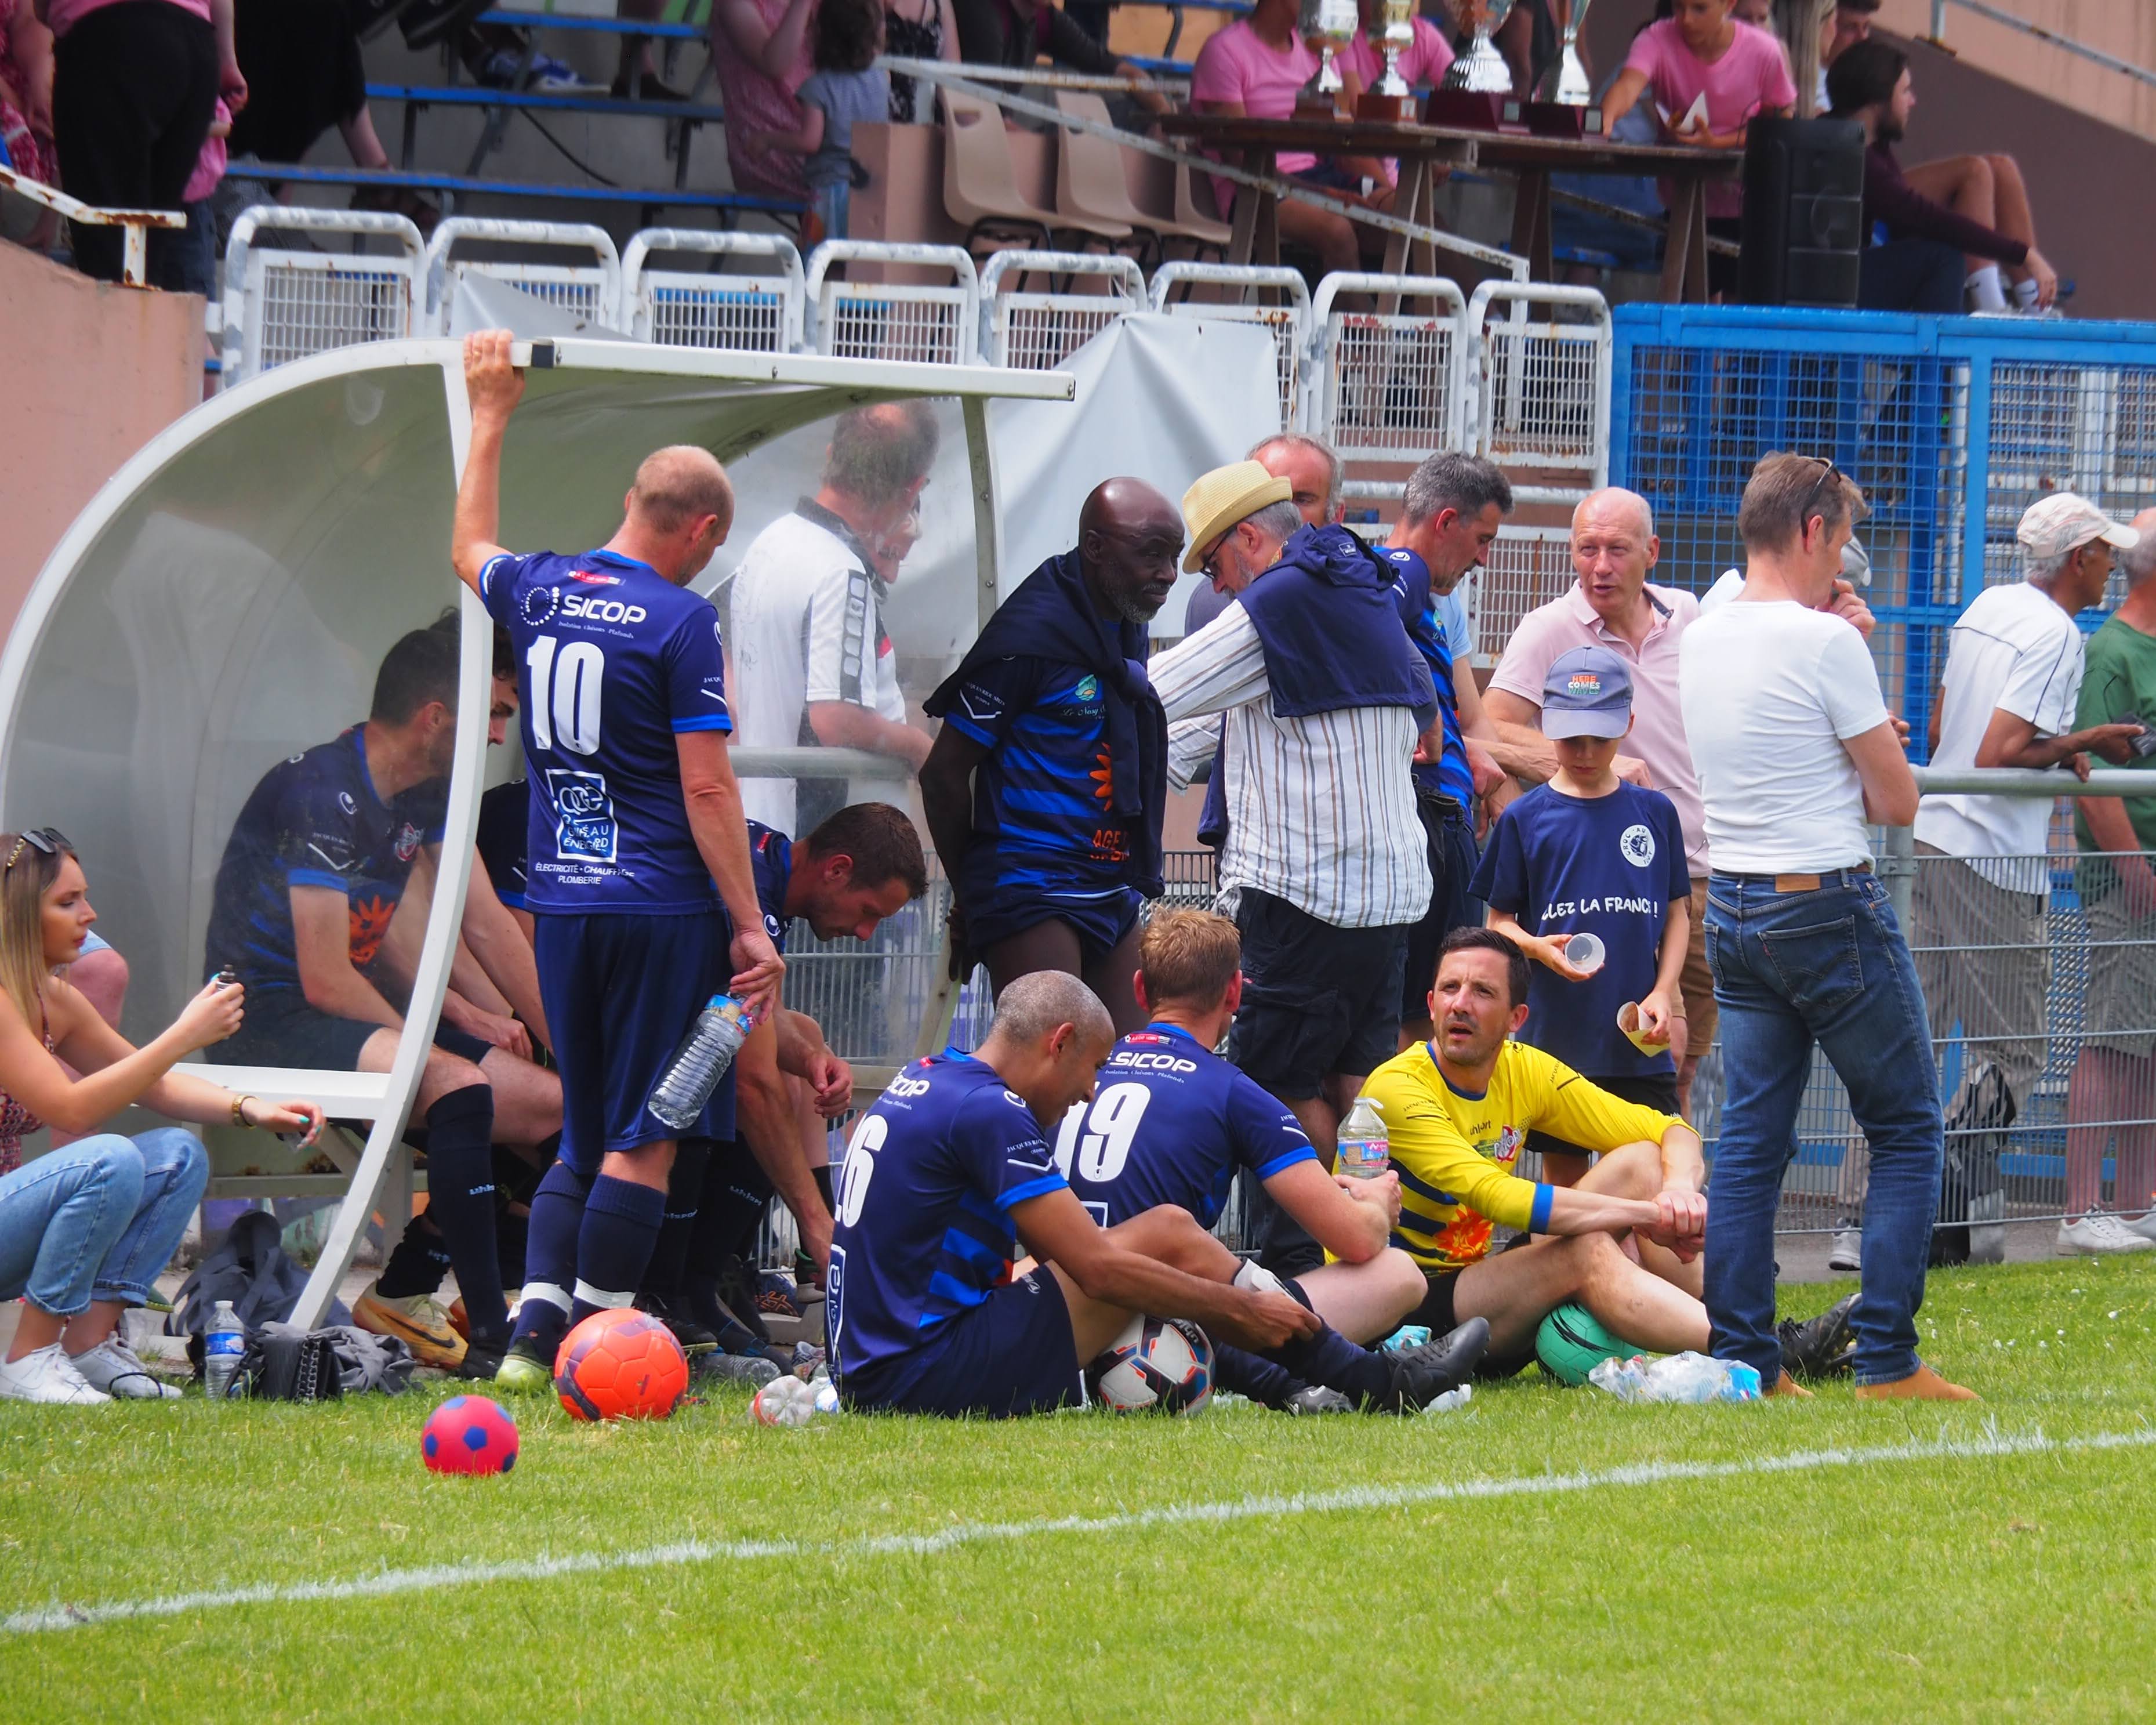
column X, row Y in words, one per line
column 1326, row 698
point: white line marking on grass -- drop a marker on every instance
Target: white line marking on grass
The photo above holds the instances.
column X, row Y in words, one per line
column 1351, row 1497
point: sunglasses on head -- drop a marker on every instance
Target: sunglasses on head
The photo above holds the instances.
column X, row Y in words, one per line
column 49, row 841
column 1827, row 471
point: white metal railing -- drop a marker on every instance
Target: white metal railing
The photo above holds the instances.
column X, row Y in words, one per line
column 2110, row 62
column 591, row 290
column 282, row 304
column 1288, row 317
column 1385, row 384
column 1541, row 384
column 761, row 310
column 935, row 322
column 1031, row 331
column 135, row 224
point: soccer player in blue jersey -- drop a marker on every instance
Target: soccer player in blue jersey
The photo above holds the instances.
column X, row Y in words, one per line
column 1045, row 790
column 323, row 854
column 635, row 815
column 967, row 1277
column 861, row 865
column 1170, row 1123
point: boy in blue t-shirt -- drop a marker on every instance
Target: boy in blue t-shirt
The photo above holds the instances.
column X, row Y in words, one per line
column 1587, row 853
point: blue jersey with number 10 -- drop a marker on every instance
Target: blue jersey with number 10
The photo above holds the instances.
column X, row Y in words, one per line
column 1170, row 1122
column 613, row 661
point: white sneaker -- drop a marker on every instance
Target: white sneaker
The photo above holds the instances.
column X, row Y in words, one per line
column 1847, row 1252
column 112, row 1367
column 46, row 1375
column 2098, row 1233
column 2145, row 1226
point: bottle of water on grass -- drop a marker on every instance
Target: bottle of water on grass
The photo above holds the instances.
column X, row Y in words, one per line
column 223, row 1344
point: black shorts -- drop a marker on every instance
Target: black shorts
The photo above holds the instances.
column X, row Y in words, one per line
column 1012, row 1354
column 1437, row 1311
column 1655, row 1090
column 281, row 1030
column 1452, row 860
column 1317, row 1000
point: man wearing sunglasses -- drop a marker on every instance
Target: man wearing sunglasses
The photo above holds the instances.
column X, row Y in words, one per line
column 1797, row 754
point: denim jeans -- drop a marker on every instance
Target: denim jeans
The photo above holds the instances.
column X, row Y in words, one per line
column 98, row 1219
column 1792, row 968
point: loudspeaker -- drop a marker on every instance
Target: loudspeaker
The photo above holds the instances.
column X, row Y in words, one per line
column 1803, row 212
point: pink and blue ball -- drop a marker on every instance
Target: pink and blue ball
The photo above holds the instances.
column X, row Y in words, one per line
column 470, row 1434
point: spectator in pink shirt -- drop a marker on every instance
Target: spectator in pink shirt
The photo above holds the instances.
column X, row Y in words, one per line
column 1257, row 66
column 1702, row 50
column 136, row 85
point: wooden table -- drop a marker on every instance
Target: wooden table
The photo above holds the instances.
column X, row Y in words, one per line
column 1420, row 149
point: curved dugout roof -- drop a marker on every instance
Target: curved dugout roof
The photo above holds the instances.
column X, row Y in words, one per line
column 224, row 600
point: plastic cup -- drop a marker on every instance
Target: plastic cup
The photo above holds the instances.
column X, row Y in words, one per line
column 1627, row 1021
column 1585, row 951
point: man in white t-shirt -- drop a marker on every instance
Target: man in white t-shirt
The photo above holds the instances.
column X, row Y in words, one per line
column 1796, row 752
column 813, row 662
column 2013, row 674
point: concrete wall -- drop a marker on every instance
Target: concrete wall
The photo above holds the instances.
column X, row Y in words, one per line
column 94, row 373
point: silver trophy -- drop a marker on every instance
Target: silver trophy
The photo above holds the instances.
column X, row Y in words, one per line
column 1397, row 39
column 1329, row 25
column 1572, row 89
column 1481, row 68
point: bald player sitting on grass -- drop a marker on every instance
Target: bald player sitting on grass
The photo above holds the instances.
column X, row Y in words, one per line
column 1170, row 1122
column 935, row 1306
column 1458, row 1110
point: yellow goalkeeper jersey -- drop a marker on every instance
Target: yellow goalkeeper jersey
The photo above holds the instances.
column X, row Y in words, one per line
column 1455, row 1153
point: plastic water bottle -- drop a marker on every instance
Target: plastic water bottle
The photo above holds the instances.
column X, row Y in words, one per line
column 1361, row 1148
column 700, row 1062
column 223, row 1343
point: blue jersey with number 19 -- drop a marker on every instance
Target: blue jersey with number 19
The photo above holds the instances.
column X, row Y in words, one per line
column 923, row 1229
column 614, row 660
column 1170, row 1122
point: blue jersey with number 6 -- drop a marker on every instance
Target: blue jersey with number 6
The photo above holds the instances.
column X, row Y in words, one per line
column 1170, row 1122
column 923, row 1229
column 614, row 661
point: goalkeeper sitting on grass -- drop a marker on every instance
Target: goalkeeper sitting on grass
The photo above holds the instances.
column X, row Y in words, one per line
column 1458, row 1111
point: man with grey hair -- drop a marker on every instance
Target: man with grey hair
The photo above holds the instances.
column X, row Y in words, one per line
column 1612, row 605
column 1325, row 700
column 2013, row 678
column 812, row 661
column 965, row 1276
column 2113, row 1087
column 1453, row 507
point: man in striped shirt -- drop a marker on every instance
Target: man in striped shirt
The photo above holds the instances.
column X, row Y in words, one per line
column 1325, row 699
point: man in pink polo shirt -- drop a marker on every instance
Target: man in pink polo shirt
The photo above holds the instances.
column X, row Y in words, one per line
column 1613, row 605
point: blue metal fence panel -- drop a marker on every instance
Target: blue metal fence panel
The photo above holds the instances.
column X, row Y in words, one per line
column 1951, row 426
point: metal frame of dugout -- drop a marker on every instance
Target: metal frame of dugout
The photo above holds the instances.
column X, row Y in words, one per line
column 251, row 564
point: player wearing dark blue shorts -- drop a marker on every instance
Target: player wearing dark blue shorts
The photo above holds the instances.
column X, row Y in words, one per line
column 859, row 866
column 634, row 816
column 324, row 852
column 965, row 1276
column 1045, row 790
column 1170, row 1122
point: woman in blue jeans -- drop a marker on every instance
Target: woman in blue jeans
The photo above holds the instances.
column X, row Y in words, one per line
column 85, row 1230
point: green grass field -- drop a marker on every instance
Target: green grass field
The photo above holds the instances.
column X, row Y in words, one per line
column 1546, row 1554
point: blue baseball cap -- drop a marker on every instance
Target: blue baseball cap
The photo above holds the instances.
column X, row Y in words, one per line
column 1588, row 693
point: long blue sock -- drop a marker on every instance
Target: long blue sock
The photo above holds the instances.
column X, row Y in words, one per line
column 621, row 1223
column 460, row 1199
column 550, row 1259
column 1330, row 1358
column 1251, row 1374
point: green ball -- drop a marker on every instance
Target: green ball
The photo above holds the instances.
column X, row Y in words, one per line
column 1570, row 1344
